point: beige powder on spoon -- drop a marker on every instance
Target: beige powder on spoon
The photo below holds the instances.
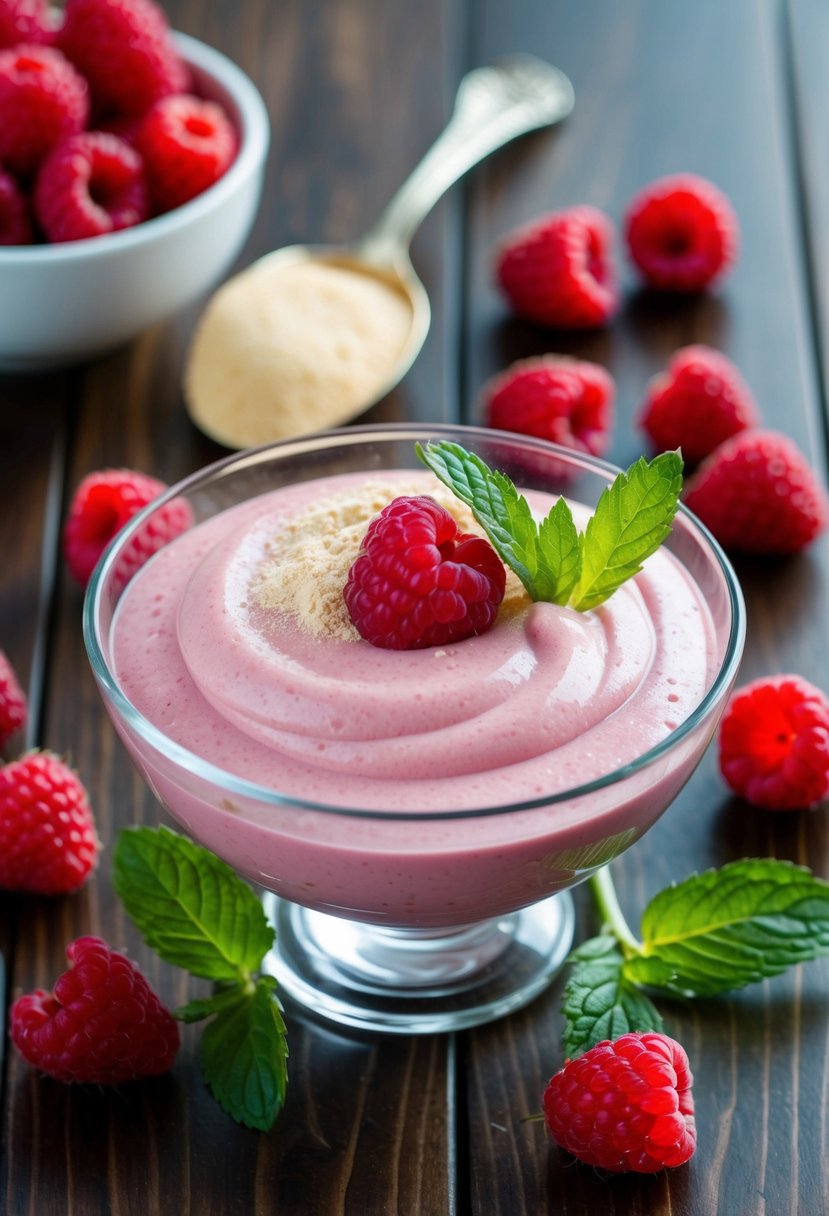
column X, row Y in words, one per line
column 286, row 348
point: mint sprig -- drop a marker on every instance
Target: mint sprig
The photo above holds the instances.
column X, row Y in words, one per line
column 712, row 933
column 196, row 913
column 553, row 560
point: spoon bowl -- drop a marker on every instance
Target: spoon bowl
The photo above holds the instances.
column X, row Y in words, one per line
column 310, row 336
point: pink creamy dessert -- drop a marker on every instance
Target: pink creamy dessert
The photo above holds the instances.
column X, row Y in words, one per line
column 228, row 641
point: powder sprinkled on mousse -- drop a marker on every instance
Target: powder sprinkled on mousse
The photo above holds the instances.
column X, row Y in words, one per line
column 307, row 562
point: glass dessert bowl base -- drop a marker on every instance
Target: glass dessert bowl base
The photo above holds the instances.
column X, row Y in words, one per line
column 417, row 981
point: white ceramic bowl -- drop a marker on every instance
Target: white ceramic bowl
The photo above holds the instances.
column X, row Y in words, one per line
column 65, row 303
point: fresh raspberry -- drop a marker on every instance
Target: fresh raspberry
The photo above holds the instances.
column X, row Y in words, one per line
column 757, row 494
column 187, row 144
column 24, row 21
column 89, row 185
column 15, row 225
column 681, row 232
column 419, row 581
column 625, row 1105
column 568, row 401
column 698, row 403
column 774, row 743
column 102, row 1024
column 48, row 843
column 557, row 271
column 13, row 707
column 42, row 100
column 125, row 51
column 102, row 504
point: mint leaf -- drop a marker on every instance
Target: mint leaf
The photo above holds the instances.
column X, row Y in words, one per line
column 222, row 998
column 599, row 1001
column 244, row 1054
column 632, row 518
column 546, row 561
column 190, row 907
column 552, row 559
column 734, row 926
column 560, row 543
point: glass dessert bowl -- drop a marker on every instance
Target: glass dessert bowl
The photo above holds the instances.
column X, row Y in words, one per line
column 416, row 818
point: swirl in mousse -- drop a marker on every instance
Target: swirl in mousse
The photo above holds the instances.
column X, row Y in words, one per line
column 423, row 791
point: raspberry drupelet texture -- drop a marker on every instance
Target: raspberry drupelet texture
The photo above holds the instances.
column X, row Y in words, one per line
column 187, row 144
column 625, row 1105
column 15, row 222
column 557, row 271
column 568, row 401
column 25, row 21
column 126, row 52
column 102, row 1024
column 697, row 403
column 13, row 706
column 774, row 743
column 682, row 233
column 90, row 185
column 419, row 581
column 48, row 842
column 102, row 504
column 758, row 494
column 42, row 101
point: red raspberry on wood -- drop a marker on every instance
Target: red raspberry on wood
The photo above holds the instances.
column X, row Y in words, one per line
column 758, row 494
column 625, row 1105
column 567, row 401
column 697, row 403
column 681, row 232
column 90, row 185
column 43, row 99
column 48, row 842
column 419, row 581
column 774, row 743
column 102, row 1024
column 102, row 504
column 187, row 145
column 13, row 706
column 125, row 50
column 557, row 270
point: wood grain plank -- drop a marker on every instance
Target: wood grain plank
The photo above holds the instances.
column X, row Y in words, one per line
column 719, row 109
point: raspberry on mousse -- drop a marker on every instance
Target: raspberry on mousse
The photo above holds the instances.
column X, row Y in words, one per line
column 419, row 581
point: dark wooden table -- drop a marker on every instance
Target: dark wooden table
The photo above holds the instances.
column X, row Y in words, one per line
column 356, row 90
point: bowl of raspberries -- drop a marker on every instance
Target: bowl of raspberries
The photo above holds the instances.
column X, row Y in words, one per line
column 131, row 167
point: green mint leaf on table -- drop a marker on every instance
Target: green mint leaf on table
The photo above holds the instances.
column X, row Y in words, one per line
column 196, row 913
column 727, row 928
column 552, row 559
column 632, row 518
column 712, row 933
column 238, row 1060
column 599, row 1001
column 190, row 907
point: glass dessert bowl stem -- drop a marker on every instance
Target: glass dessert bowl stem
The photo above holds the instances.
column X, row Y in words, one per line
column 419, row 816
column 418, row 981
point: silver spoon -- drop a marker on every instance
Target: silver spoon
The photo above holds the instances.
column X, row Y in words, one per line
column 238, row 382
